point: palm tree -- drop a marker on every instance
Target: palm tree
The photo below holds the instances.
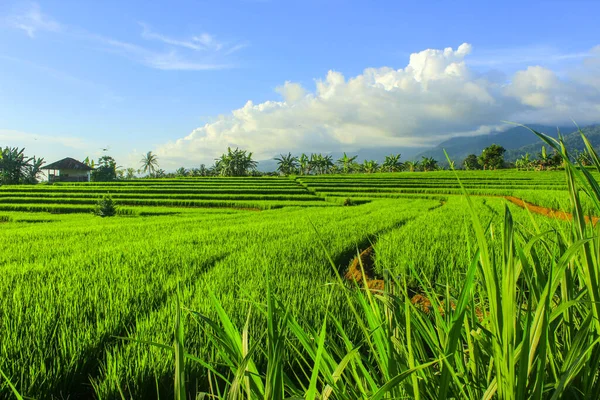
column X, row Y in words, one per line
column 346, row 162
column 327, row 163
column 181, row 172
column 149, row 163
column 392, row 163
column 287, row 165
column 130, row 173
column 303, row 161
column 14, row 166
column 235, row 163
column 412, row 166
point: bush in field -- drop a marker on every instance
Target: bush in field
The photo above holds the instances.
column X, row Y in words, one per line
column 348, row 202
column 106, row 207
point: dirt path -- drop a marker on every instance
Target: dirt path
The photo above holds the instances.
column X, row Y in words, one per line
column 548, row 212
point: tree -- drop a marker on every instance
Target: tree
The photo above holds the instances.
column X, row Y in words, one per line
column 429, row 164
column 105, row 207
column 16, row 168
column 89, row 163
column 149, row 163
column 287, row 164
column 370, row 166
column 492, row 157
column 235, row 163
column 524, row 162
column 130, row 173
column 471, row 163
column 412, row 166
column 346, row 163
column 181, row 172
column 106, row 170
column 303, row 161
column 392, row 163
column 320, row 164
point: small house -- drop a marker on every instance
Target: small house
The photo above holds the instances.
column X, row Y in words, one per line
column 68, row 170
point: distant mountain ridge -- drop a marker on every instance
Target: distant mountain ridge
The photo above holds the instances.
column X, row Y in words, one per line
column 458, row 148
column 572, row 139
column 517, row 141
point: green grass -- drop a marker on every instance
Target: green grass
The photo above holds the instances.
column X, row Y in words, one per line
column 187, row 292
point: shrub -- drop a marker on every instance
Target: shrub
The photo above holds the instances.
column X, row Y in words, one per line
column 348, row 202
column 106, row 207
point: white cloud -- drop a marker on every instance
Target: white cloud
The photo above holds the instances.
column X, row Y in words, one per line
column 436, row 96
column 31, row 20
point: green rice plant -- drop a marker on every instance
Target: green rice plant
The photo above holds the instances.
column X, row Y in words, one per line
column 514, row 329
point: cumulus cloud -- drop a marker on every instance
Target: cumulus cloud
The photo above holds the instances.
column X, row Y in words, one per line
column 436, row 96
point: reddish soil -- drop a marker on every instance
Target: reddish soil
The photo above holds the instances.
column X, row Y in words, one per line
column 355, row 274
column 548, row 212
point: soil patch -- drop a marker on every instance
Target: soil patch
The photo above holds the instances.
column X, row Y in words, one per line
column 355, row 272
column 548, row 212
column 374, row 283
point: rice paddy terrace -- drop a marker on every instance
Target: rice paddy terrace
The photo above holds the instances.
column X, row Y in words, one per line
column 73, row 285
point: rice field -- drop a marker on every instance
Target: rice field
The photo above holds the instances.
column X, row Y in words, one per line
column 85, row 301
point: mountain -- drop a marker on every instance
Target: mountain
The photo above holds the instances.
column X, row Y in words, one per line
column 573, row 142
column 517, row 141
column 461, row 146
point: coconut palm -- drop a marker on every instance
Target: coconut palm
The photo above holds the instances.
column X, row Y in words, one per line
column 149, row 163
column 130, row 173
column 346, row 163
column 287, row 164
column 181, row 172
column 392, row 163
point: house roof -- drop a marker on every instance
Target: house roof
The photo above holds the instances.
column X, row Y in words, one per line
column 68, row 163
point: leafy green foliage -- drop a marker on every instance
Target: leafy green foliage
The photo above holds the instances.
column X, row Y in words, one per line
column 513, row 297
column 16, row 168
column 492, row 157
column 471, row 163
column 235, row 163
column 149, row 164
column 106, row 170
column 105, row 207
column 287, row 164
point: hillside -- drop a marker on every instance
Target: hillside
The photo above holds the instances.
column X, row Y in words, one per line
column 573, row 142
column 514, row 138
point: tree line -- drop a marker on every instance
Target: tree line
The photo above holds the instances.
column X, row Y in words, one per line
column 17, row 168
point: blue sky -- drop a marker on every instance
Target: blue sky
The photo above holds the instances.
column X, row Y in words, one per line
column 175, row 77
